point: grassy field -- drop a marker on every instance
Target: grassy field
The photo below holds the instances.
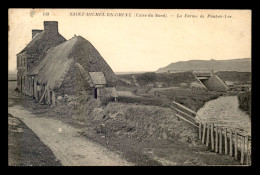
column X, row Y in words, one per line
column 193, row 99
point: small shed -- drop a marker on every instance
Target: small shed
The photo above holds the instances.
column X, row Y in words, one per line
column 111, row 92
column 99, row 82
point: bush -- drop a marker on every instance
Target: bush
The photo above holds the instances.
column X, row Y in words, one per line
column 244, row 100
column 145, row 78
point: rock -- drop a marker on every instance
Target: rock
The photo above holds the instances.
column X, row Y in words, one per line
column 59, row 98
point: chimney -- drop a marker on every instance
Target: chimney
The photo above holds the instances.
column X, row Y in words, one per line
column 51, row 26
column 35, row 31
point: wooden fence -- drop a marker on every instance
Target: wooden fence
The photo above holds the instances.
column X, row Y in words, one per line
column 226, row 141
column 221, row 140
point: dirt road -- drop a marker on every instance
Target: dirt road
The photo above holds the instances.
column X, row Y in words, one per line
column 65, row 142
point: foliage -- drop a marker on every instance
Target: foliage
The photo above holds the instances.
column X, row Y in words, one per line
column 244, row 100
column 153, row 101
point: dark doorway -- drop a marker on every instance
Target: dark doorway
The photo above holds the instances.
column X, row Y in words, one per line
column 50, row 97
column 96, row 93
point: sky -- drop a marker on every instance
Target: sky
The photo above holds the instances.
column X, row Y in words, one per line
column 141, row 40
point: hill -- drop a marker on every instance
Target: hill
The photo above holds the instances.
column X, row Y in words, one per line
column 240, row 65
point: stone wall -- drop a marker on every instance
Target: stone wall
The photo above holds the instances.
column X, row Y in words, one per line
column 214, row 83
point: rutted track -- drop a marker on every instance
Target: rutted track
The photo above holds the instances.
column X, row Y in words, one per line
column 65, row 142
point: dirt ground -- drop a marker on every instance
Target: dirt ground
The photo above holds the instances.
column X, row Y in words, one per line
column 127, row 146
column 25, row 148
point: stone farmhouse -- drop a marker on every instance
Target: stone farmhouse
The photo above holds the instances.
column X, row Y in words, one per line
column 51, row 66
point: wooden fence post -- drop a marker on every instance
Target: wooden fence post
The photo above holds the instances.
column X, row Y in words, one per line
column 247, row 150
column 220, row 140
column 53, row 98
column 235, row 145
column 216, row 143
column 230, row 143
column 207, row 141
column 243, row 150
column 200, row 130
column 203, row 134
column 43, row 95
column 212, row 136
column 49, row 96
column 225, row 136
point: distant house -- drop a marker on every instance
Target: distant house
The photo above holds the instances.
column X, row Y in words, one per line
column 35, row 51
column 72, row 67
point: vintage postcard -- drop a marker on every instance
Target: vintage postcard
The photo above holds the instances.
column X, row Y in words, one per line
column 129, row 87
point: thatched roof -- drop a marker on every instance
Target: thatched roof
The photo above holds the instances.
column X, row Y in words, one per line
column 97, row 78
column 76, row 51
